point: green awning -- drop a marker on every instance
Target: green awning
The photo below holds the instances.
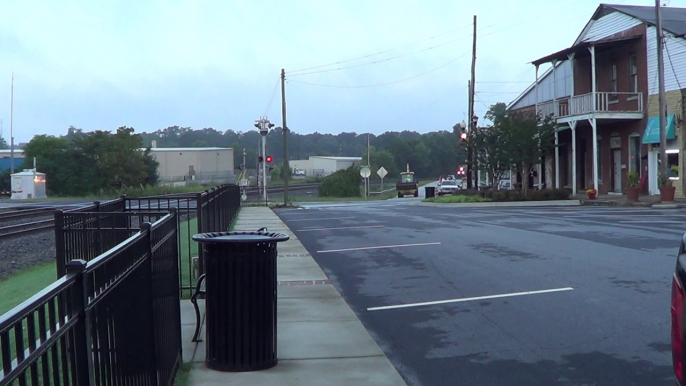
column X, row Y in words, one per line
column 652, row 131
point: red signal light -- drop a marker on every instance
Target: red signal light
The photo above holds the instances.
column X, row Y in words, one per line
column 269, row 158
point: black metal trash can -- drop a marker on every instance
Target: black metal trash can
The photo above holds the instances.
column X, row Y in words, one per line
column 240, row 299
column 430, row 191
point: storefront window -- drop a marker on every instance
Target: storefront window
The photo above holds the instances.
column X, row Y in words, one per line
column 635, row 154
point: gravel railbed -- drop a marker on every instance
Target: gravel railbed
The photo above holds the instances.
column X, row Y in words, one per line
column 24, row 220
column 19, row 252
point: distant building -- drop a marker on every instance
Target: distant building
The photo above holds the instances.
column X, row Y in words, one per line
column 322, row 166
column 179, row 165
column 6, row 161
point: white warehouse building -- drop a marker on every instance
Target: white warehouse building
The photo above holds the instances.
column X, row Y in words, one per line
column 322, row 166
column 178, row 165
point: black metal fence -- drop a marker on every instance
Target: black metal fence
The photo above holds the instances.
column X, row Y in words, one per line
column 209, row 211
column 108, row 321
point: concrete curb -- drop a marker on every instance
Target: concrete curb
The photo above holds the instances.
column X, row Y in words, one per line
column 512, row 204
column 659, row 205
column 668, row 206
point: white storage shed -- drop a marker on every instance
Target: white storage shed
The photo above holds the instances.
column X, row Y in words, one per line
column 28, row 184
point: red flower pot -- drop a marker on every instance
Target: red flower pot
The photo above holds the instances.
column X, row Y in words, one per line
column 631, row 194
column 667, row 193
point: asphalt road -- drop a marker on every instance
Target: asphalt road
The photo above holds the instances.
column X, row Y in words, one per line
column 601, row 316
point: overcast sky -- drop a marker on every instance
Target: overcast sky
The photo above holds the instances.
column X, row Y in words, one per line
column 98, row 65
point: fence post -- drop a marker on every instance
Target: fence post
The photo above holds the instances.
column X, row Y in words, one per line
column 81, row 337
column 123, row 202
column 146, row 227
column 59, row 242
column 199, row 217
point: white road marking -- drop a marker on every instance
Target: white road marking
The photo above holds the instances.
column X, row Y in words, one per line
column 321, row 219
column 327, row 229
column 652, row 222
column 631, row 215
column 379, row 247
column 470, row 299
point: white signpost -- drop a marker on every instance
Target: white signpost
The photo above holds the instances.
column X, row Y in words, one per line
column 382, row 173
column 365, row 172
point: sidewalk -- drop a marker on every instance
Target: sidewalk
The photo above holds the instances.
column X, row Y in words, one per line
column 621, row 200
column 320, row 339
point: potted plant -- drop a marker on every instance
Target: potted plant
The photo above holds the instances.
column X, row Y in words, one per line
column 631, row 189
column 591, row 193
column 666, row 188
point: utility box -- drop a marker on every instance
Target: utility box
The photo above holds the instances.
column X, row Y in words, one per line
column 28, row 184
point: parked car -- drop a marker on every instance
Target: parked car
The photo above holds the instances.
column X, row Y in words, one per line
column 447, row 187
column 504, row 185
column 299, row 172
column 677, row 311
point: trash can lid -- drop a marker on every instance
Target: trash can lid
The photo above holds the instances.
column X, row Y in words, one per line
column 240, row 237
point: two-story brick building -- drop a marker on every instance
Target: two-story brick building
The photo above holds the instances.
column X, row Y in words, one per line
column 603, row 91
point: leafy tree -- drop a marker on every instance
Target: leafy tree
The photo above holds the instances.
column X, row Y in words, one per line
column 3, row 144
column 516, row 139
column 343, row 183
column 491, row 144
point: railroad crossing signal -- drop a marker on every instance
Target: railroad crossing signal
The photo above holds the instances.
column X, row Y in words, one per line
column 269, row 158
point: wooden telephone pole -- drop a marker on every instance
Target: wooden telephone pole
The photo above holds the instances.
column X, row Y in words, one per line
column 661, row 99
column 471, row 123
column 284, row 128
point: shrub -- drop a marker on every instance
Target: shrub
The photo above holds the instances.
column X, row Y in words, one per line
column 343, row 183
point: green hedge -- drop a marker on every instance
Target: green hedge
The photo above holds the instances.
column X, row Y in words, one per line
column 516, row 195
column 343, row 183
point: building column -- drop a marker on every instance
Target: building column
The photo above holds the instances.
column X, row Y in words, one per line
column 572, row 124
column 557, row 160
column 594, row 125
column 593, row 77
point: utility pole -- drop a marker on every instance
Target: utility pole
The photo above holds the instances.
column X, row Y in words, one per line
column 11, row 127
column 661, row 99
column 471, row 123
column 369, row 163
column 245, row 167
column 469, row 129
column 284, row 128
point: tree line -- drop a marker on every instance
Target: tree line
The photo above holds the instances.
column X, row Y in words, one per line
column 429, row 154
column 80, row 164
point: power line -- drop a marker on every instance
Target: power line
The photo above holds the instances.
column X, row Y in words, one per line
column 269, row 105
column 510, row 17
column 381, row 84
column 380, row 52
column 381, row 60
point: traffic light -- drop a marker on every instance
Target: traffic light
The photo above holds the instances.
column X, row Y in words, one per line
column 260, row 159
column 460, row 171
column 269, row 158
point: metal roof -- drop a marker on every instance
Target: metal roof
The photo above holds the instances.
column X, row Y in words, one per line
column 562, row 54
column 188, row 148
column 673, row 19
column 338, row 158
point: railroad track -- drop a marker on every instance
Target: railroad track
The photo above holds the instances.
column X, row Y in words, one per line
column 25, row 213
column 279, row 189
column 26, row 228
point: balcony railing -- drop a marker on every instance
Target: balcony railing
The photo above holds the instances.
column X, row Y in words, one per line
column 598, row 102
